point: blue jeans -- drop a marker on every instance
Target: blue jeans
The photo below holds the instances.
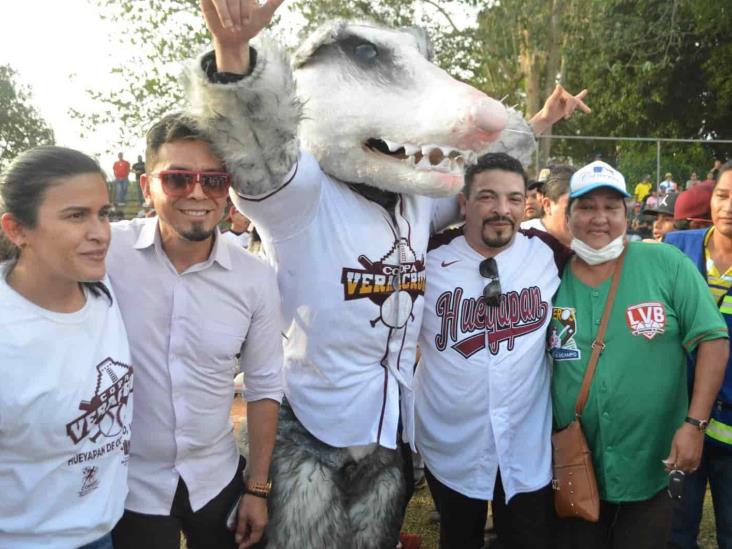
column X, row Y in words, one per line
column 715, row 467
column 105, row 542
column 121, row 187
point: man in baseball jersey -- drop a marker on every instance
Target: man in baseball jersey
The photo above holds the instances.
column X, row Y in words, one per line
column 483, row 412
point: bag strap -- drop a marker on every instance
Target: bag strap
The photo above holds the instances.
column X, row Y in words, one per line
column 598, row 346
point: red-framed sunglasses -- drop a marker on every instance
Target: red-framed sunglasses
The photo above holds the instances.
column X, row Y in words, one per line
column 180, row 183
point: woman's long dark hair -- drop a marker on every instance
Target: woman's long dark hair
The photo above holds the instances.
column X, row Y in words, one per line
column 23, row 188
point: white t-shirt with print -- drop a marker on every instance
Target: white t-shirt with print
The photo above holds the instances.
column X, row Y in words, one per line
column 65, row 411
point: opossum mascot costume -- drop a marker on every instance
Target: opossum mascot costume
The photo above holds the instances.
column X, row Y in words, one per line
column 339, row 157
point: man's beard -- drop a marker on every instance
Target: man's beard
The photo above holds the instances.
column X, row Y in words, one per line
column 504, row 237
column 197, row 233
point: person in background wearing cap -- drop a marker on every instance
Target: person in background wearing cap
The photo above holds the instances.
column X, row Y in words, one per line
column 534, row 199
column 692, row 207
column 554, row 204
column 663, row 211
column 642, row 189
column 711, row 251
column 638, row 420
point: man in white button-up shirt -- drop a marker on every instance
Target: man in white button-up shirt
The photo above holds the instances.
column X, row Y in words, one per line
column 197, row 307
column 483, row 410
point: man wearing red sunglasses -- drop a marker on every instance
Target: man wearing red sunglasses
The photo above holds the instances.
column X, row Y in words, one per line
column 196, row 307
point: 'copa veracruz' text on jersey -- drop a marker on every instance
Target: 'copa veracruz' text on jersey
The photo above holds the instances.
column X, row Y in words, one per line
column 352, row 278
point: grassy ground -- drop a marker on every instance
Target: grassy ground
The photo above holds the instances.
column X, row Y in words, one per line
column 132, row 205
column 417, row 521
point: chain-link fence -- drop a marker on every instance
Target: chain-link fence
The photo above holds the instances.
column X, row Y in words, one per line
column 637, row 157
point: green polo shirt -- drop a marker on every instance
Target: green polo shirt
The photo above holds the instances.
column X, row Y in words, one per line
column 638, row 397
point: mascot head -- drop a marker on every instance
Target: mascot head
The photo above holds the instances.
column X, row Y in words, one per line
column 380, row 113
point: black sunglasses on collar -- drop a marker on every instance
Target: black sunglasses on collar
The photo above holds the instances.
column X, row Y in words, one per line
column 492, row 291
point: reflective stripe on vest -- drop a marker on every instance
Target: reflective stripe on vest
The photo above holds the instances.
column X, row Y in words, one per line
column 726, row 307
column 719, row 431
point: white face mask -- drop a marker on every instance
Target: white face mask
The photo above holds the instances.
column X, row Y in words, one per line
column 591, row 256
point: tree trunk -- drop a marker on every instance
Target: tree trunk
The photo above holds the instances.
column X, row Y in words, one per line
column 530, row 61
column 552, row 71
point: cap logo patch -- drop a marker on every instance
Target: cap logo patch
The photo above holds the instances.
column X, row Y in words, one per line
column 646, row 319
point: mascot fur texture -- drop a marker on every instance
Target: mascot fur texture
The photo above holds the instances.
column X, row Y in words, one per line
column 346, row 225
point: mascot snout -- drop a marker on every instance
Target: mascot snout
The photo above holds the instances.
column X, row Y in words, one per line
column 488, row 117
column 379, row 112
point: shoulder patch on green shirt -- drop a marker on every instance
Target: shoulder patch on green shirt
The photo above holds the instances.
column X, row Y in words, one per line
column 560, row 339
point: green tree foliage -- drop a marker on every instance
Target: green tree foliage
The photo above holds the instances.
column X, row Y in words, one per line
column 159, row 34
column 653, row 67
column 21, row 127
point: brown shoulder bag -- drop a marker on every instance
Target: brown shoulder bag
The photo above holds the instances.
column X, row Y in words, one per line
column 574, row 482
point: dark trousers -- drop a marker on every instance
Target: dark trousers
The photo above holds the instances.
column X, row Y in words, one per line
column 715, row 468
column 526, row 522
column 636, row 525
column 203, row 529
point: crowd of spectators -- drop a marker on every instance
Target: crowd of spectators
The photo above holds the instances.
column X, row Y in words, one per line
column 653, row 209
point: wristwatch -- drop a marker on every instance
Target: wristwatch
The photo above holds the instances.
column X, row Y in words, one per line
column 259, row 489
column 700, row 424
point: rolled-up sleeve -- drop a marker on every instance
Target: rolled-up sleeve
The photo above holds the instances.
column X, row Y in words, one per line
column 261, row 356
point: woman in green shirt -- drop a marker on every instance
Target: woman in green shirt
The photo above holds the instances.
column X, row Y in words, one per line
column 638, row 419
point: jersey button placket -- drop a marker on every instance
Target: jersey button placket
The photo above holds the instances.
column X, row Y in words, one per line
column 175, row 359
column 596, row 312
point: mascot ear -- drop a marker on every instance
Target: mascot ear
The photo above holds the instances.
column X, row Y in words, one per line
column 424, row 42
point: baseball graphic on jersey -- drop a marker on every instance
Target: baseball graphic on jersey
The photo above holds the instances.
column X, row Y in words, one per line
column 105, row 413
column 393, row 282
column 560, row 339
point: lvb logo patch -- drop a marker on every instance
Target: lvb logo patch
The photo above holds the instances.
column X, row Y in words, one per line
column 646, row 319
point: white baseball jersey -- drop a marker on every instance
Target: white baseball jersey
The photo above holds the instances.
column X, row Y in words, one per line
column 65, row 413
column 482, row 397
column 352, row 280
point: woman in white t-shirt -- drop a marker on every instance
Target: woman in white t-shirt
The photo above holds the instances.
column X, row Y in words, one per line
column 65, row 373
